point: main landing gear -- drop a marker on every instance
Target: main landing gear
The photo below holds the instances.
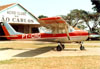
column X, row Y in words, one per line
column 60, row 47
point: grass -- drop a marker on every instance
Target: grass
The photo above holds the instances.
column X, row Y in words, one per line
column 75, row 62
column 31, row 44
column 6, row 62
column 93, row 41
column 68, row 62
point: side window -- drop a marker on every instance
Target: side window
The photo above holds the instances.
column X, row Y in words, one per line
column 35, row 30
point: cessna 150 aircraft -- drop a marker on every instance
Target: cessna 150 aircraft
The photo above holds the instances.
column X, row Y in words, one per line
column 53, row 29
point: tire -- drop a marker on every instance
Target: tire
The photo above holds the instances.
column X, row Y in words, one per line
column 63, row 46
column 59, row 48
column 82, row 48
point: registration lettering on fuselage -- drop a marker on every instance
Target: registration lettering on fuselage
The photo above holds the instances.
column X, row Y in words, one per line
column 26, row 36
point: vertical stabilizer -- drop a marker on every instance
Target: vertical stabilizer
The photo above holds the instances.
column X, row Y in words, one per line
column 8, row 29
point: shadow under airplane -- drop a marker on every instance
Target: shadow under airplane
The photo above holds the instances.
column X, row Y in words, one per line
column 5, row 49
column 34, row 52
column 38, row 51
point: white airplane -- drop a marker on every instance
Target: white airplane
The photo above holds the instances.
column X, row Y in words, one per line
column 53, row 29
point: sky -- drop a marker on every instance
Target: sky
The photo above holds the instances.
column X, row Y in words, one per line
column 51, row 7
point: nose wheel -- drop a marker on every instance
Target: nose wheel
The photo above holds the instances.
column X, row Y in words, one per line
column 81, row 46
column 60, row 47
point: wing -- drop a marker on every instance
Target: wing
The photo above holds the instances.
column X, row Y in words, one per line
column 56, row 24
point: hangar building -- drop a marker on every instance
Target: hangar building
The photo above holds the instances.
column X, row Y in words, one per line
column 20, row 18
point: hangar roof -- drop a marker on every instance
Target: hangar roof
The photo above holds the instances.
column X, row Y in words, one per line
column 6, row 6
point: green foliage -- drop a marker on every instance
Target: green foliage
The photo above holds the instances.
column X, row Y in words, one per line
column 6, row 61
column 74, row 17
column 82, row 27
column 78, row 17
column 42, row 16
column 96, row 4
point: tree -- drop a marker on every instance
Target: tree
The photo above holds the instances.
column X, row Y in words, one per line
column 95, row 17
column 76, row 17
column 86, row 18
column 96, row 4
column 81, row 27
column 42, row 16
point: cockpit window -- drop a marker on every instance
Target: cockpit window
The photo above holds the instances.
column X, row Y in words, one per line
column 71, row 29
column 55, row 30
column 44, row 30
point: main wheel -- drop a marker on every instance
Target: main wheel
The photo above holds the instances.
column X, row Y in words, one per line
column 82, row 48
column 59, row 48
column 63, row 46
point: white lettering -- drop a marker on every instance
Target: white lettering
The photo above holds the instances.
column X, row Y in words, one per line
column 37, row 35
column 26, row 36
column 23, row 36
column 32, row 35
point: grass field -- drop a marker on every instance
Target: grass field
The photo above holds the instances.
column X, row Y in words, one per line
column 31, row 44
column 68, row 62
column 82, row 62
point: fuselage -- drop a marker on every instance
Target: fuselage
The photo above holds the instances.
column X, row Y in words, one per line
column 75, row 36
column 59, row 36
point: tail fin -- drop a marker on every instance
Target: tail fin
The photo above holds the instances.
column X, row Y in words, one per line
column 8, row 29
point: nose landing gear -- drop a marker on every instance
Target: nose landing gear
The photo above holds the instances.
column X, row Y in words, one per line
column 81, row 46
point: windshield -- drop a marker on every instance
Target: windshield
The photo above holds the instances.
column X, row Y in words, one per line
column 71, row 29
column 55, row 30
column 44, row 30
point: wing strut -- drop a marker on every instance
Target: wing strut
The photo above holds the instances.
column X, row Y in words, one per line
column 66, row 29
